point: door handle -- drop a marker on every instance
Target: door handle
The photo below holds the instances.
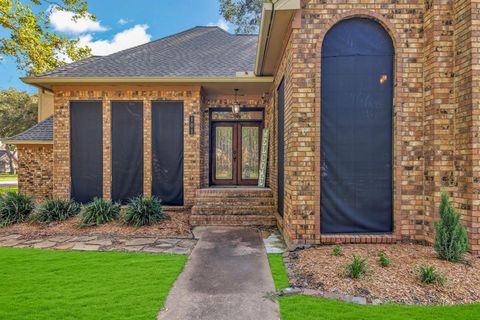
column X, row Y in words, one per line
column 234, row 155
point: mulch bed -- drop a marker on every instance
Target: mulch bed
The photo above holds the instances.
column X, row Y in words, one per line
column 317, row 268
column 176, row 226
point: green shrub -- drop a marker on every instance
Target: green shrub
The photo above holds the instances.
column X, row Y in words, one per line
column 55, row 210
column 337, row 250
column 15, row 207
column 143, row 211
column 383, row 259
column 451, row 241
column 428, row 274
column 357, row 268
column 100, row 211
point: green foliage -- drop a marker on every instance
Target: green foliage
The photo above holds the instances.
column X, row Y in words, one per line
column 67, row 285
column 451, row 241
column 29, row 38
column 279, row 274
column 357, row 268
column 383, row 259
column 244, row 14
column 55, row 210
column 428, row 274
column 18, row 112
column 14, row 207
column 337, row 250
column 100, row 211
column 142, row 211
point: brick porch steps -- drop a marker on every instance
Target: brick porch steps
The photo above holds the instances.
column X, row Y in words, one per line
column 242, row 206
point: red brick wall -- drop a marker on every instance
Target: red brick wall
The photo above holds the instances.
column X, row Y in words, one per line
column 35, row 165
column 435, row 130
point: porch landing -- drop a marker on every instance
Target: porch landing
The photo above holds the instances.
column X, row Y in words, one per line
column 233, row 206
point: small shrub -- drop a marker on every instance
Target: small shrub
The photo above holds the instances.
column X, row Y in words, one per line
column 451, row 241
column 337, row 250
column 15, row 207
column 357, row 268
column 142, row 211
column 55, row 210
column 383, row 259
column 100, row 211
column 428, row 274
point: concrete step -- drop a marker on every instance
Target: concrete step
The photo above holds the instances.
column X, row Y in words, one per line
column 232, row 220
column 233, row 210
column 219, row 201
column 234, row 193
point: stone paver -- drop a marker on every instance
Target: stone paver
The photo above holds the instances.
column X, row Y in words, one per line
column 227, row 277
column 101, row 243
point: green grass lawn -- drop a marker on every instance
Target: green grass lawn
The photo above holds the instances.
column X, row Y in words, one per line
column 8, row 177
column 47, row 284
column 8, row 189
column 309, row 308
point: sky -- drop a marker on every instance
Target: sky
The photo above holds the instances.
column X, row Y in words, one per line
column 122, row 24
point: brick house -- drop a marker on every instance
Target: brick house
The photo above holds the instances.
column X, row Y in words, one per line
column 372, row 108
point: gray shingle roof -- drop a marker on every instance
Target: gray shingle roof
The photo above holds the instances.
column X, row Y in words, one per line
column 197, row 52
column 42, row 131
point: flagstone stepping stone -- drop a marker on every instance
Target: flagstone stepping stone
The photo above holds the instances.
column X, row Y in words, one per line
column 104, row 242
column 163, row 245
column 85, row 247
column 64, row 246
column 178, row 250
column 153, row 250
column 132, row 248
column 44, row 244
column 34, row 241
column 10, row 243
column 59, row 238
column 186, row 243
column 170, row 241
column 10, row 236
column 82, row 239
column 140, row 241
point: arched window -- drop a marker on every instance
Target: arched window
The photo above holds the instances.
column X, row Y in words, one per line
column 356, row 128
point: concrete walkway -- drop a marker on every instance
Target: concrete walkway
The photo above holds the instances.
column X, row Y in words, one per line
column 227, row 277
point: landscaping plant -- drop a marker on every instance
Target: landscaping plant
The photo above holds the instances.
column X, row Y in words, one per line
column 383, row 259
column 451, row 241
column 56, row 210
column 357, row 268
column 428, row 274
column 143, row 211
column 100, row 211
column 14, row 207
column 337, row 250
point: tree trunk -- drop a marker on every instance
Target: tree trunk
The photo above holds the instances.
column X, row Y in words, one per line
column 11, row 159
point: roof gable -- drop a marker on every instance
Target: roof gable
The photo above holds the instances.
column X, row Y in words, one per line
column 197, row 52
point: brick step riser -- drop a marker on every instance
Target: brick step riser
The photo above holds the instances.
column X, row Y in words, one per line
column 236, row 194
column 235, row 202
column 215, row 211
column 251, row 220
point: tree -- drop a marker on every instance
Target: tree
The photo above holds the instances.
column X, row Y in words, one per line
column 18, row 112
column 244, row 14
column 451, row 241
column 30, row 40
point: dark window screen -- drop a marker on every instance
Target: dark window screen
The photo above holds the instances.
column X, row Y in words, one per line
column 280, row 145
column 86, row 152
column 356, row 128
column 127, row 150
column 167, row 151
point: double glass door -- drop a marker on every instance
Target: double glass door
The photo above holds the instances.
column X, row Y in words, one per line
column 235, row 152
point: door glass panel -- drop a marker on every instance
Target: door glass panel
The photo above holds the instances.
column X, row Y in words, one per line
column 250, row 152
column 223, row 153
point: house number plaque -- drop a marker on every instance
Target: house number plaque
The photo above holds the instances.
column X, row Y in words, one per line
column 262, row 174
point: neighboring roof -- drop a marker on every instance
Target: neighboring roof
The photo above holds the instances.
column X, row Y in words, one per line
column 197, row 52
column 42, row 132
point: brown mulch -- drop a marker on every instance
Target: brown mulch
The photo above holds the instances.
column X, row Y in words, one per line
column 176, row 226
column 317, row 268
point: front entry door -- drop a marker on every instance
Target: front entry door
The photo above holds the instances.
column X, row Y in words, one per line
column 235, row 153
